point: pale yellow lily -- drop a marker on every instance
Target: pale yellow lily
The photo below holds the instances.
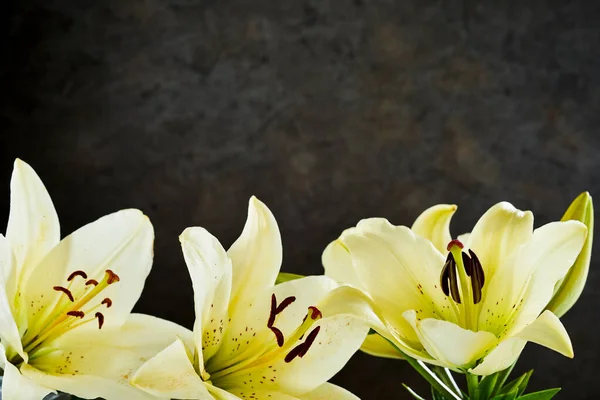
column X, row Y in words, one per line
column 469, row 304
column 65, row 306
column 254, row 339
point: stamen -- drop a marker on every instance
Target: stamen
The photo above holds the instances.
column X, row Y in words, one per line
column 278, row 336
column 295, row 352
column 77, row 273
column 309, row 340
column 100, row 317
column 112, row 277
column 92, row 282
column 272, row 314
column 453, row 280
column 78, row 314
column 65, row 291
column 107, row 302
column 286, row 302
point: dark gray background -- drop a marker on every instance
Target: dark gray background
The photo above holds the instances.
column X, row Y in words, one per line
column 328, row 111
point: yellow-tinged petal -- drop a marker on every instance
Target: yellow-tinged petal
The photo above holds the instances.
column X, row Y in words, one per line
column 452, row 345
column 328, row 391
column 210, row 271
column 256, row 255
column 33, row 228
column 377, row 345
column 500, row 231
column 399, row 270
column 9, row 331
column 16, row 386
column 120, row 242
column 582, row 210
column 338, row 264
column 100, row 363
column 548, row 331
column 170, row 374
column 501, row 357
column 434, row 224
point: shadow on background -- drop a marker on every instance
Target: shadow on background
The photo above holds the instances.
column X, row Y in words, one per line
column 327, row 111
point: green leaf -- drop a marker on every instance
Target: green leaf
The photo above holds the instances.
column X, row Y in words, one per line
column 541, row 395
column 435, row 395
column 516, row 386
column 486, row 387
column 412, row 392
column 286, row 276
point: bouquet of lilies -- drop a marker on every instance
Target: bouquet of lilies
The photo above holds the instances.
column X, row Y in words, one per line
column 450, row 306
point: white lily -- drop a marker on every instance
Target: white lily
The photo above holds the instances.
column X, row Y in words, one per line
column 253, row 340
column 469, row 307
column 65, row 306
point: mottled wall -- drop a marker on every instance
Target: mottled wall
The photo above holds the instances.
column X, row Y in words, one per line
column 329, row 111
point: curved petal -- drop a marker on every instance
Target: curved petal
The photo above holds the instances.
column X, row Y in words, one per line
column 120, row 242
column 248, row 334
column 210, row 271
column 525, row 282
column 399, row 270
column 33, row 228
column 16, row 386
column 256, row 255
column 337, row 339
column 449, row 343
column 434, row 224
column 100, row 363
column 8, row 272
column 500, row 231
column 9, row 332
column 501, row 357
column 329, row 391
column 338, row 264
column 254, row 393
column 548, row 331
column 376, row 345
column 171, row 375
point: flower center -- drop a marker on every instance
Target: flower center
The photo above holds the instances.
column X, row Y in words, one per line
column 287, row 348
column 462, row 279
column 77, row 306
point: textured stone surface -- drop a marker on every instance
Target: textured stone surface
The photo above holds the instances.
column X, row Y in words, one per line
column 329, row 111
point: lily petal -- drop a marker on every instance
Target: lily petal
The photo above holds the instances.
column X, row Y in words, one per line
column 171, row 374
column 500, row 231
column 525, row 282
column 9, row 332
column 256, row 255
column 434, row 224
column 338, row 264
column 328, row 391
column 377, row 345
column 100, row 363
column 500, row 358
column 400, row 270
column 33, row 228
column 121, row 242
column 254, row 394
column 16, row 386
column 210, row 270
column 454, row 346
column 548, row 331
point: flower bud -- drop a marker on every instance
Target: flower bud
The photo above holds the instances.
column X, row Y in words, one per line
column 568, row 290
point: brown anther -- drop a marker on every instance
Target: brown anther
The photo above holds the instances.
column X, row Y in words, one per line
column 315, row 313
column 286, row 302
column 295, row 352
column 112, row 277
column 309, row 341
column 107, row 302
column 278, row 335
column 453, row 243
column 65, row 291
column 100, row 317
column 78, row 314
column 272, row 314
column 92, row 282
column 76, row 273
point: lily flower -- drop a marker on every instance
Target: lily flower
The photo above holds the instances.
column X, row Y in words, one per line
column 468, row 304
column 65, row 306
column 254, row 339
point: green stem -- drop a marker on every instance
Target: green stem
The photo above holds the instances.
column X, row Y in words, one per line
column 472, row 385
